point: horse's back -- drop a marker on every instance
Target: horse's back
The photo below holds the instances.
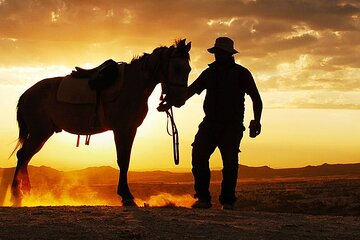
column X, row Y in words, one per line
column 41, row 91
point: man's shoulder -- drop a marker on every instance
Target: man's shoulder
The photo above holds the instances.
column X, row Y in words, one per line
column 207, row 71
column 241, row 68
column 242, row 72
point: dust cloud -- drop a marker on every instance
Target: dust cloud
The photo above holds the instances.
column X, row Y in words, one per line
column 80, row 195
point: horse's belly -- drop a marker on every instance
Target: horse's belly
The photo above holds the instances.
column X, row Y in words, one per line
column 78, row 119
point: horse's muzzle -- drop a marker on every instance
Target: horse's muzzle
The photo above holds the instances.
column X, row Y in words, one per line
column 176, row 96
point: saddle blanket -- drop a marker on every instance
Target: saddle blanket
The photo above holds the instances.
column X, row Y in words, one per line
column 77, row 91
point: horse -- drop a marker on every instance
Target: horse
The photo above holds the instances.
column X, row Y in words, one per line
column 40, row 114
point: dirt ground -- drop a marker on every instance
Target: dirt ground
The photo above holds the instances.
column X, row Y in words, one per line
column 289, row 209
column 104, row 222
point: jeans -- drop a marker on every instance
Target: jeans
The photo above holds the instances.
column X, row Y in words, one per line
column 227, row 137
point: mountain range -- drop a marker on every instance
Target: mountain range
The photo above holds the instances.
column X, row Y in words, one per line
column 108, row 175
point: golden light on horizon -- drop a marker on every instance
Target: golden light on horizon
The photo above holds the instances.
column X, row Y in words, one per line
column 69, row 189
column 304, row 60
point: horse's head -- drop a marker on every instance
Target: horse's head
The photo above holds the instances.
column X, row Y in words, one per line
column 175, row 81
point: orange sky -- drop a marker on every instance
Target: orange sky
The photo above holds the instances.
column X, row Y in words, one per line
column 304, row 56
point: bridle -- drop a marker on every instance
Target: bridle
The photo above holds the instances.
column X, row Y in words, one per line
column 166, row 84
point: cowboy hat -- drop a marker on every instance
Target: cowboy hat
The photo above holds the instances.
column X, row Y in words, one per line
column 225, row 44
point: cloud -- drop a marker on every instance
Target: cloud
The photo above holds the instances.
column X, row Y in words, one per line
column 320, row 14
column 308, row 72
column 271, row 36
column 319, row 99
column 174, row 15
column 30, row 75
column 324, row 100
column 328, row 106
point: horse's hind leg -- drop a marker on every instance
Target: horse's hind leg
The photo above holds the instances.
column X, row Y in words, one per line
column 21, row 183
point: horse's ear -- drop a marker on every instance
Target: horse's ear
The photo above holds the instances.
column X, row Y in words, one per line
column 180, row 43
column 188, row 47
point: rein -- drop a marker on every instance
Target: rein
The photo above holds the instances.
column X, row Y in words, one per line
column 174, row 132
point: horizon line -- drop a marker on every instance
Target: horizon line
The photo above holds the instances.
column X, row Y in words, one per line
column 185, row 170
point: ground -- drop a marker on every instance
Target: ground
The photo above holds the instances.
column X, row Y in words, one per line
column 87, row 207
column 104, row 222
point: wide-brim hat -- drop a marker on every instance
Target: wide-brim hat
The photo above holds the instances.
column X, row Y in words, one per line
column 225, row 44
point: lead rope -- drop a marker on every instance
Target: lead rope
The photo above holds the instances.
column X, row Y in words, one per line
column 173, row 133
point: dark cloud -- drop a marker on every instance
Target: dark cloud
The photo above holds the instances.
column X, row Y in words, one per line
column 320, row 14
column 155, row 15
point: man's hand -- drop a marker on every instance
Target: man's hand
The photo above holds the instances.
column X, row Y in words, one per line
column 255, row 128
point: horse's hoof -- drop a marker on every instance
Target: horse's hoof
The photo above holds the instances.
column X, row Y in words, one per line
column 129, row 203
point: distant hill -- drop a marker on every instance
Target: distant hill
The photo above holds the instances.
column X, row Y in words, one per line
column 308, row 171
column 108, row 175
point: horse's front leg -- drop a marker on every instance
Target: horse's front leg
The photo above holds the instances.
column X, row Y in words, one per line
column 124, row 140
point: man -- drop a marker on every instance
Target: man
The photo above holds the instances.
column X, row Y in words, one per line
column 226, row 84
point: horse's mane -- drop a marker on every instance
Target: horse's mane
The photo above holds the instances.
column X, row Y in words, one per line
column 179, row 45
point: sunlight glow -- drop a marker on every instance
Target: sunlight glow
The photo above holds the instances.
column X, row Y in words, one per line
column 25, row 75
column 77, row 194
column 9, row 39
column 128, row 16
column 301, row 30
column 110, row 13
column 299, row 64
column 222, row 21
column 305, row 66
column 167, row 200
column 54, row 16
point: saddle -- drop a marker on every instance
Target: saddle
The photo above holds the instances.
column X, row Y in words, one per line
column 94, row 86
column 100, row 77
column 87, row 86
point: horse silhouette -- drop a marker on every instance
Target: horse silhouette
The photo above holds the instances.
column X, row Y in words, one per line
column 40, row 114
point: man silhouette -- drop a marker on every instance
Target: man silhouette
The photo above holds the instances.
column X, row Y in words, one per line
column 226, row 84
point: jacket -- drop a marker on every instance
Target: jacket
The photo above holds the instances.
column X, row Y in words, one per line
column 226, row 85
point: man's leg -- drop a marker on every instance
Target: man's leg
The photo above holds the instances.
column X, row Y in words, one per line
column 203, row 146
column 229, row 149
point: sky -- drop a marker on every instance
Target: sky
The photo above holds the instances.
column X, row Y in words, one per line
column 303, row 54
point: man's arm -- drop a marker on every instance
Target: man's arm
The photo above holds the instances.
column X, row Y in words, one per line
column 196, row 87
column 192, row 89
column 255, row 125
column 257, row 106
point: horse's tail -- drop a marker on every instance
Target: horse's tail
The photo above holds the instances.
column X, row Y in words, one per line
column 23, row 131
